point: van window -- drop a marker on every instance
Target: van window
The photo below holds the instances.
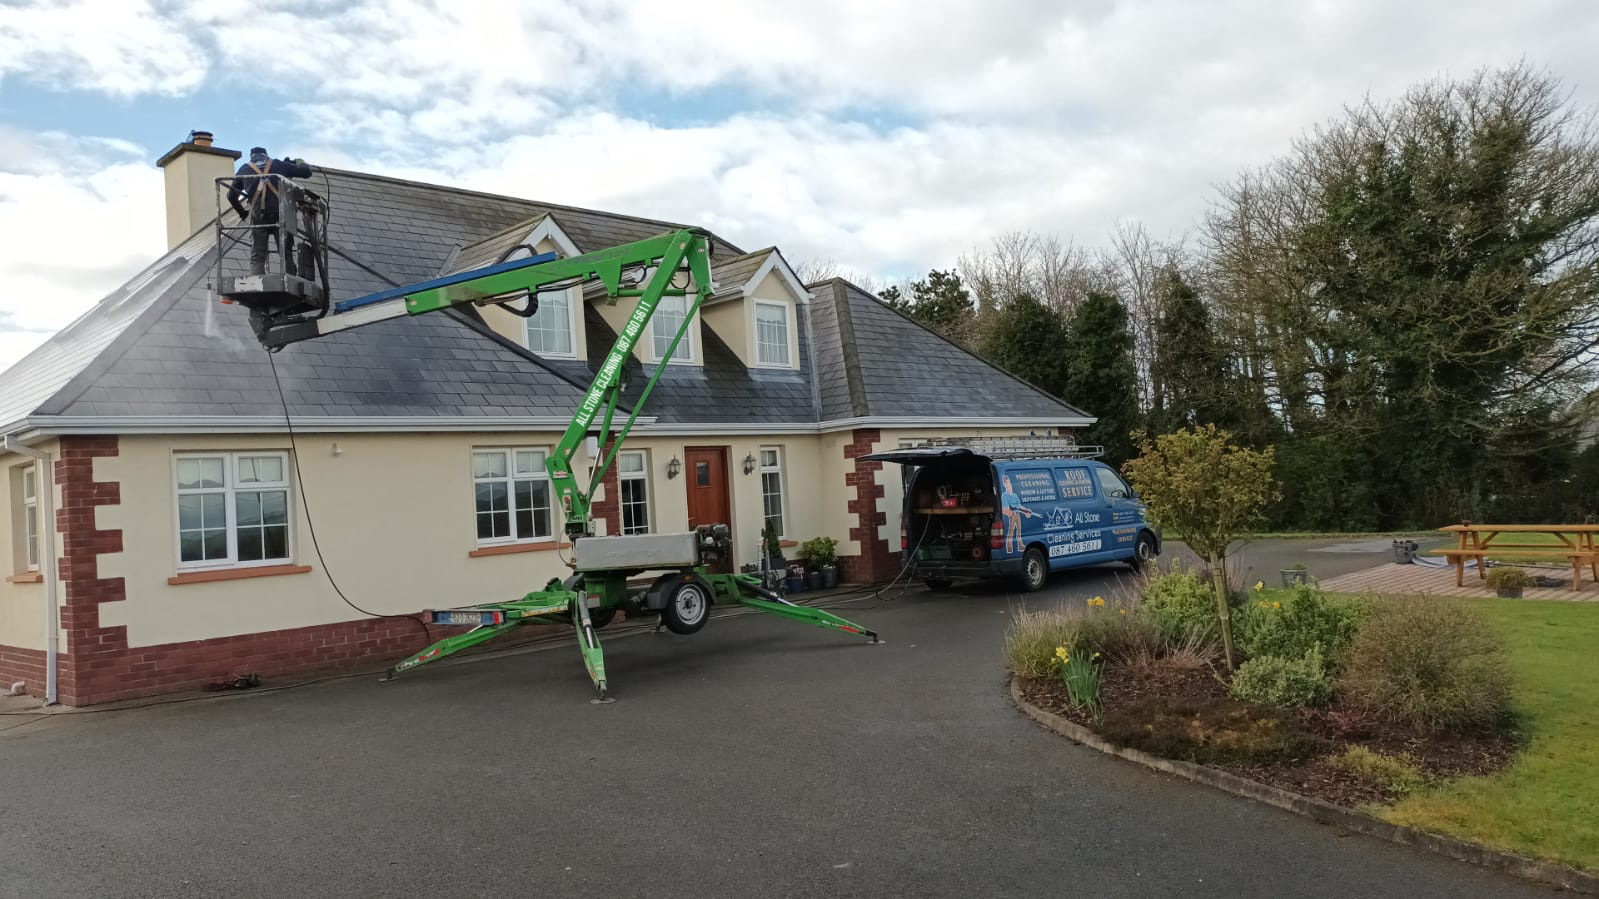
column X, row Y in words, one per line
column 1074, row 483
column 1111, row 485
column 1031, row 485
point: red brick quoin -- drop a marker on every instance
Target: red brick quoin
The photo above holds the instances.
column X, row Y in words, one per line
column 97, row 664
column 877, row 561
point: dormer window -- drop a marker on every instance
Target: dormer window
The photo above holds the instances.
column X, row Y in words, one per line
column 772, row 334
column 550, row 331
column 668, row 318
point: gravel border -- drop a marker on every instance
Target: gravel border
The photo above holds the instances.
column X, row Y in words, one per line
column 1550, row 873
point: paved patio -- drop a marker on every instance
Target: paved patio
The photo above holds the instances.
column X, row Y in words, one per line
column 1424, row 580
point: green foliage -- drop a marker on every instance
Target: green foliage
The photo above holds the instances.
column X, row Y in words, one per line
column 1032, row 637
column 771, row 542
column 1029, row 340
column 1079, row 671
column 1509, row 577
column 1100, row 370
column 1181, row 605
column 1201, row 487
column 1283, row 682
column 1385, row 772
column 1188, row 370
column 1116, row 631
column 1207, row 731
column 819, row 552
column 1303, row 619
column 1326, row 484
column 940, row 301
column 1432, row 664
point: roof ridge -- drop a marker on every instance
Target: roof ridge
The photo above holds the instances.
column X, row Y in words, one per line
column 504, row 197
column 991, row 364
column 854, row 378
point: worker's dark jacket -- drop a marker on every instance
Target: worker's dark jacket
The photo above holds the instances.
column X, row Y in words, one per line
column 248, row 184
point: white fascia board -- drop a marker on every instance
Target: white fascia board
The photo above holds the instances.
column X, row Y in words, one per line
column 254, row 424
column 730, row 429
column 550, row 229
column 774, row 262
column 883, row 421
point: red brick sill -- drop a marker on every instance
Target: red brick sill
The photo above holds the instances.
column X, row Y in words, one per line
column 787, row 544
column 236, row 574
column 513, row 548
column 30, row 577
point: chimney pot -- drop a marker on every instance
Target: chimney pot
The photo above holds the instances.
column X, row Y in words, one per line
column 200, row 138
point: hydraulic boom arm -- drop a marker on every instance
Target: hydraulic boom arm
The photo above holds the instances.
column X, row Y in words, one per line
column 653, row 263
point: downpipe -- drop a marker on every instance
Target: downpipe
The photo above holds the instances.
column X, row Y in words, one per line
column 45, row 478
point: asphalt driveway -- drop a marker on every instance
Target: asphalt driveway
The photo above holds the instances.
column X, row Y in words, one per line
column 757, row 758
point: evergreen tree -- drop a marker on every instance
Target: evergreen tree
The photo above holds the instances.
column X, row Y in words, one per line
column 1100, row 372
column 1188, row 370
column 1029, row 340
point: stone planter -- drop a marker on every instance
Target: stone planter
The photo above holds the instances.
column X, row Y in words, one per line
column 1293, row 577
column 830, row 576
column 814, row 580
column 1509, row 592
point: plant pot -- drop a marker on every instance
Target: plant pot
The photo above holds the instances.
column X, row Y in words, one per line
column 1294, row 576
column 795, row 583
column 814, row 580
column 1405, row 552
column 830, row 576
column 1509, row 592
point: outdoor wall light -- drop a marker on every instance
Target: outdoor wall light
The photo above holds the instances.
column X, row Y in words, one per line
column 673, row 468
column 749, row 464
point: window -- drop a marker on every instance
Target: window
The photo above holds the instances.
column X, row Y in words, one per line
column 549, row 331
column 772, row 486
column 233, row 509
column 511, row 493
column 30, row 515
column 633, row 475
column 771, row 334
column 1112, row 486
column 663, row 327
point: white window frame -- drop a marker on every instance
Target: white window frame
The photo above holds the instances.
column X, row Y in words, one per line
column 510, row 479
column 642, row 478
column 788, row 333
column 685, row 348
column 30, row 515
column 782, row 489
column 573, row 297
column 230, row 490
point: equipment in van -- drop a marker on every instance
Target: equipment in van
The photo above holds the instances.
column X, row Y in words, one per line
column 1062, row 509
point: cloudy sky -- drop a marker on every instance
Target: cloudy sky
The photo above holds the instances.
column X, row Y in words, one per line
column 889, row 136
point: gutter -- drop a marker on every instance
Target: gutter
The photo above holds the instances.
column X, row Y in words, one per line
column 46, row 482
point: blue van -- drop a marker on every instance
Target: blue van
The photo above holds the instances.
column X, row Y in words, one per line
column 1011, row 514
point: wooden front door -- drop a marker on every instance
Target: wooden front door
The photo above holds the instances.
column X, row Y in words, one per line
column 706, row 476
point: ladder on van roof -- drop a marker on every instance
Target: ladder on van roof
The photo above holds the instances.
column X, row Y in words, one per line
column 1017, row 447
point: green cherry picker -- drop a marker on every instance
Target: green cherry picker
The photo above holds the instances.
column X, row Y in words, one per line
column 679, row 584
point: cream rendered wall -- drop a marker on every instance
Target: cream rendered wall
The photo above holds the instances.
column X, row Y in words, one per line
column 191, row 192
column 22, row 614
column 514, row 327
column 805, row 505
column 730, row 320
column 393, row 512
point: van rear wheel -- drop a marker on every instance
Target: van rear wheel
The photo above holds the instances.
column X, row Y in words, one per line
column 1035, row 569
column 1144, row 553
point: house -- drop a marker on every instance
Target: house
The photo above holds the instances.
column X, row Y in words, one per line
column 195, row 536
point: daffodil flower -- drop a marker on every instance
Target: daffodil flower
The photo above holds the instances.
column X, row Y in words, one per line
column 1260, row 585
column 1276, row 605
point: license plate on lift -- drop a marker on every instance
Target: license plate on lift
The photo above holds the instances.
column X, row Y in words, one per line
column 471, row 618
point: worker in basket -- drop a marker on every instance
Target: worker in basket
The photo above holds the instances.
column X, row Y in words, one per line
column 256, row 200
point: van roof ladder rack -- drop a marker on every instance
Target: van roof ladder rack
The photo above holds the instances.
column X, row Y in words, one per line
column 1017, row 447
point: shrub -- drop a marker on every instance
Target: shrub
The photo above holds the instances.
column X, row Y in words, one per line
column 1182, row 605
column 1283, row 682
column 1207, row 730
column 1429, row 663
column 1032, row 638
column 1290, row 626
column 1120, row 634
column 1385, row 772
column 819, row 553
column 1510, row 577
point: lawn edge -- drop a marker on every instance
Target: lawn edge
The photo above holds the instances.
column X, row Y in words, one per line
column 1550, row 873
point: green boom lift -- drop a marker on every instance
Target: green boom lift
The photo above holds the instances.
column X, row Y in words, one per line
column 291, row 306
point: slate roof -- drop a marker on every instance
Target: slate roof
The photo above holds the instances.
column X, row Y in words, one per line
column 161, row 349
column 891, row 366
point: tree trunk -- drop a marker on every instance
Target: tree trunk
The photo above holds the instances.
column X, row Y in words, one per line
column 1218, row 574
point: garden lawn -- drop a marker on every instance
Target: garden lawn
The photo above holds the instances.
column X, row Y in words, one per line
column 1546, row 803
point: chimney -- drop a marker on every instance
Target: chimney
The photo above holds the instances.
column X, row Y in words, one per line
column 192, row 168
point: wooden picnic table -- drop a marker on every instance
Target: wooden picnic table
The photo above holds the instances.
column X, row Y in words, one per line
column 1575, row 542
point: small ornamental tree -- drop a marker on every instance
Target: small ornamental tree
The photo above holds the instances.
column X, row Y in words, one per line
column 1206, row 490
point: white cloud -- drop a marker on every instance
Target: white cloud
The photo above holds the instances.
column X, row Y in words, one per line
column 1008, row 114
column 123, row 48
